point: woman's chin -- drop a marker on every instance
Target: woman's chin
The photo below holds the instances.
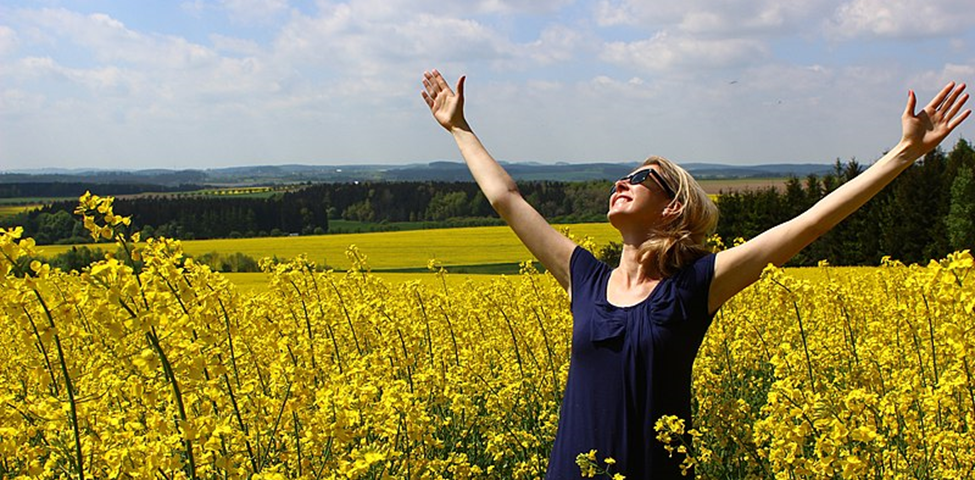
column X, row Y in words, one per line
column 619, row 218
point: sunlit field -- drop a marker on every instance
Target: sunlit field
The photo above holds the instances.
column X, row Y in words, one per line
column 8, row 210
column 390, row 250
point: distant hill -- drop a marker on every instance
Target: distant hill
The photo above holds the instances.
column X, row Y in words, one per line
column 448, row 171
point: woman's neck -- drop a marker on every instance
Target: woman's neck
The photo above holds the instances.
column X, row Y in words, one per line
column 631, row 270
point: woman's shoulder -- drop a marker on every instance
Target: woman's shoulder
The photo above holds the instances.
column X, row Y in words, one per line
column 697, row 273
column 583, row 259
column 587, row 273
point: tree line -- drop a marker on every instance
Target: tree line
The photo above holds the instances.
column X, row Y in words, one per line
column 307, row 210
column 925, row 213
column 49, row 189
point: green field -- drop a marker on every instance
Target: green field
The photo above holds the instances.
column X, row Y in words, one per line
column 471, row 249
column 8, row 210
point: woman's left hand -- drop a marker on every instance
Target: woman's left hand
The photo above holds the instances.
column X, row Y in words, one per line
column 924, row 130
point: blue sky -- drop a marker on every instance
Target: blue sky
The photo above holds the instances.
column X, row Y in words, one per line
column 199, row 84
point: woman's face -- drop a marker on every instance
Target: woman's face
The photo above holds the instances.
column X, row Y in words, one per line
column 639, row 203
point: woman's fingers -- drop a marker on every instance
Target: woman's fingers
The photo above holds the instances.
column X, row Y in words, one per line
column 460, row 86
column 434, row 83
column 957, row 120
column 428, row 84
column 940, row 97
column 946, row 112
column 439, row 83
column 911, row 104
column 943, row 112
column 954, row 103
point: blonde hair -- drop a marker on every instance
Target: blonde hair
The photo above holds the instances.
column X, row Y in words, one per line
column 683, row 239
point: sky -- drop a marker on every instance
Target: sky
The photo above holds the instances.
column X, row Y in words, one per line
column 121, row 84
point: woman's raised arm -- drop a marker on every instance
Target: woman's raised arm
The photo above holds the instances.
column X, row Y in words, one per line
column 738, row 267
column 547, row 245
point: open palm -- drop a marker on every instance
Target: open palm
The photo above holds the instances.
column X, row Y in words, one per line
column 924, row 130
column 446, row 105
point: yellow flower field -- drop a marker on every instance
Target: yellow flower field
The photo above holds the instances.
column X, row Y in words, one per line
column 406, row 249
column 164, row 369
column 8, row 210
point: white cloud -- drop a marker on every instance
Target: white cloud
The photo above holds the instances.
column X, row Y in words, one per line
column 628, row 78
column 16, row 102
column 354, row 41
column 101, row 79
column 109, row 40
column 665, row 52
column 609, row 14
column 129, row 76
column 712, row 19
column 254, row 11
column 935, row 79
column 248, row 12
column 240, row 46
column 510, row 7
column 8, row 40
column 900, row 18
column 557, row 43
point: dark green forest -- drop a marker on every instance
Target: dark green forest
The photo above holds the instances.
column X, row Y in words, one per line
column 49, row 189
column 925, row 213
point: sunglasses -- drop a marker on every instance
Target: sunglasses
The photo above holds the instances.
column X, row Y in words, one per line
column 641, row 176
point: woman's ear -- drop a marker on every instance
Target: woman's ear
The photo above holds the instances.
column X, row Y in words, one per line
column 673, row 210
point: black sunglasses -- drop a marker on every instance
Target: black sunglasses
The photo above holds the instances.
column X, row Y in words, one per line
column 641, row 176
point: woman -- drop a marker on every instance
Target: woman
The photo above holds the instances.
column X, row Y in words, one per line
column 637, row 327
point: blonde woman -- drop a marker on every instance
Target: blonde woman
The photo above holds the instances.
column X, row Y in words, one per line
column 637, row 327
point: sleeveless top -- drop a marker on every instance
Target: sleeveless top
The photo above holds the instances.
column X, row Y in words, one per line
column 628, row 367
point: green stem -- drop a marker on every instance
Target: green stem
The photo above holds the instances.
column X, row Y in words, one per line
column 47, row 359
column 67, row 386
column 153, row 339
column 240, row 423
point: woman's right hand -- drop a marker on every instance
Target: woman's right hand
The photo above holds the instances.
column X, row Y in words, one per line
column 446, row 106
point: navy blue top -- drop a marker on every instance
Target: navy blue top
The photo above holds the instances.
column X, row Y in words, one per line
column 629, row 366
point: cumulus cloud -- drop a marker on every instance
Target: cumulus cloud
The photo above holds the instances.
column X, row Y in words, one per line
column 109, row 40
column 8, row 40
column 950, row 72
column 312, row 80
column 703, row 17
column 128, row 74
column 239, row 46
column 899, row 18
column 254, row 11
column 376, row 48
column 665, row 52
column 102, row 79
column 383, row 38
column 557, row 43
column 609, row 14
